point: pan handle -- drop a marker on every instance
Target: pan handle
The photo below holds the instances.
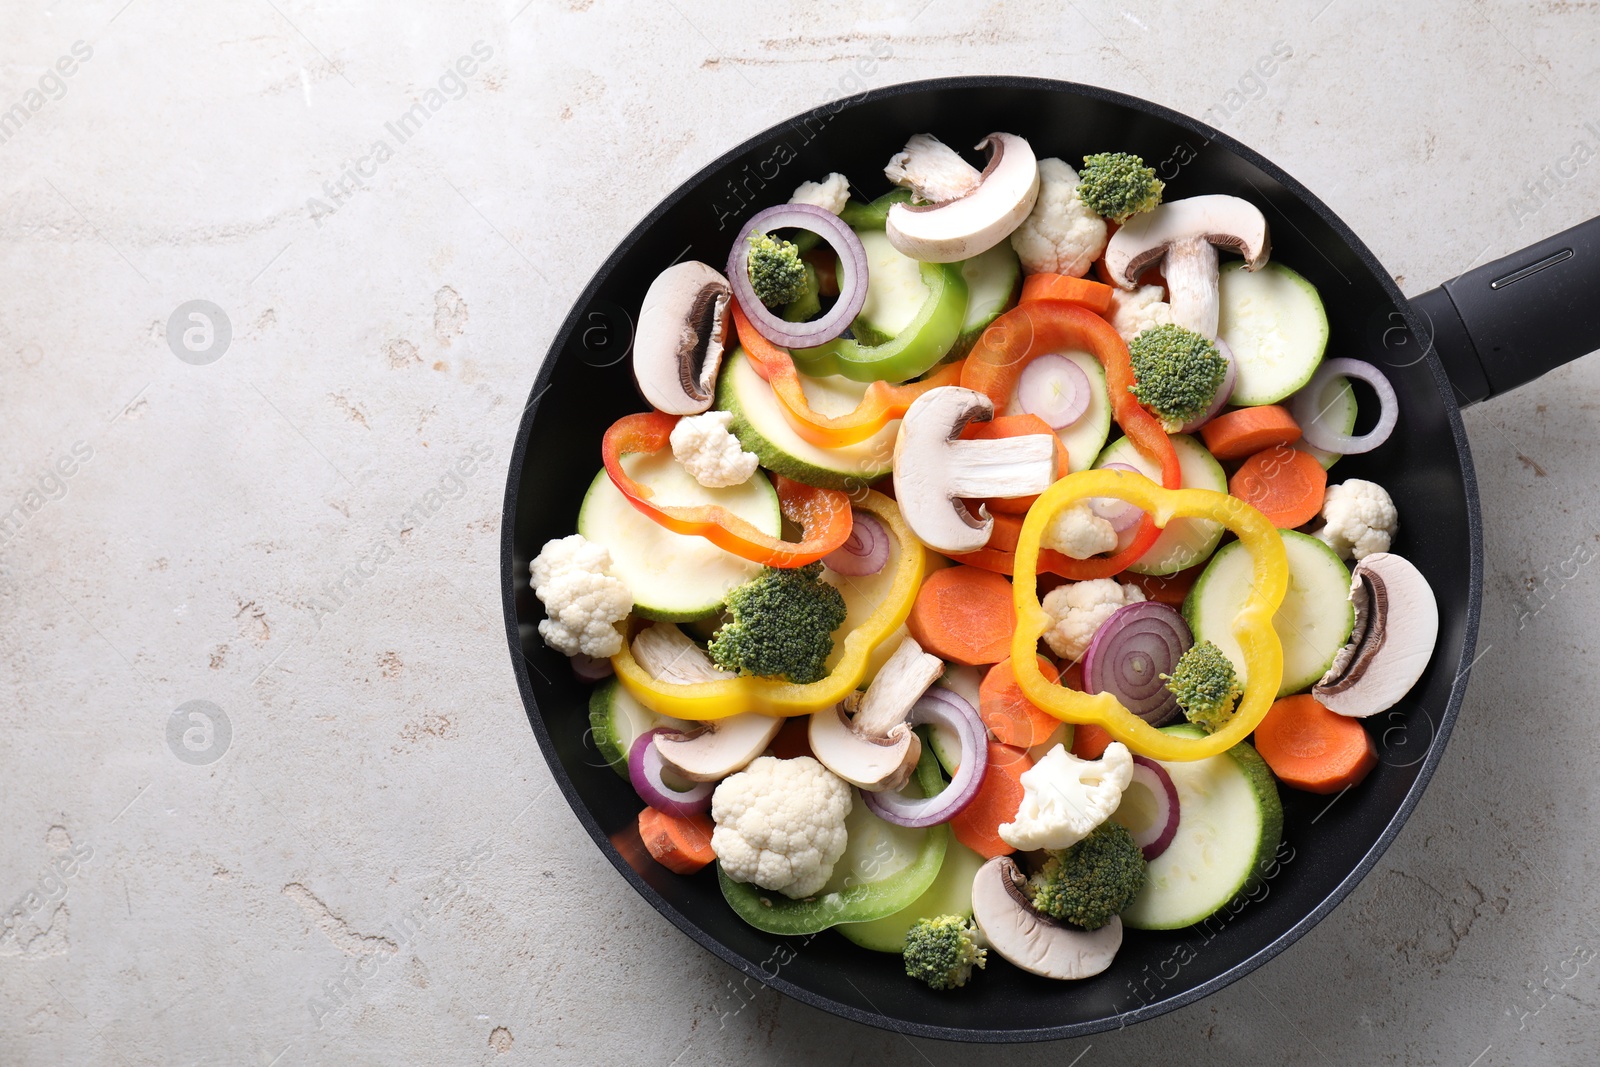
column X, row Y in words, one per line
column 1506, row 323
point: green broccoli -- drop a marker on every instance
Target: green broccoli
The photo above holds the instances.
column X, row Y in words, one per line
column 1118, row 185
column 782, row 625
column 1087, row 883
column 777, row 273
column 1206, row 686
column 943, row 951
column 1176, row 373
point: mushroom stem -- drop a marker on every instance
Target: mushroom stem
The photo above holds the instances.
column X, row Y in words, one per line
column 1191, row 272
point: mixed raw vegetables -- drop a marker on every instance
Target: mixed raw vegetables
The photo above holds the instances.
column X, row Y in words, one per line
column 889, row 626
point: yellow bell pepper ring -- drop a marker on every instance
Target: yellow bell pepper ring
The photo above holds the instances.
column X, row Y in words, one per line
column 704, row 701
column 1263, row 652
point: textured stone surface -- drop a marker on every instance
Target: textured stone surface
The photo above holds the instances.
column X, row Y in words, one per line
column 380, row 816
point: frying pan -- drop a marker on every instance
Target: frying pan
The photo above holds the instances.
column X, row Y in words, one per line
column 1482, row 333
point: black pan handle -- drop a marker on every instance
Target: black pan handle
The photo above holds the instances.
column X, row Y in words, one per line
column 1504, row 324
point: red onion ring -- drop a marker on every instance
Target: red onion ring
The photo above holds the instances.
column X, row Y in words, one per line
column 1037, row 392
column 1313, row 422
column 590, row 668
column 1224, row 391
column 1155, row 838
column 1120, row 514
column 644, row 771
column 942, row 708
column 852, row 285
column 1131, row 651
column 865, row 551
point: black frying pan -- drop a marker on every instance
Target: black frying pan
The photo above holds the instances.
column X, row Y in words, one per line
column 1480, row 334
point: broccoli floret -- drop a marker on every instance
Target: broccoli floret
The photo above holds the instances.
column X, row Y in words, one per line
column 1177, row 373
column 1118, row 185
column 1206, row 686
column 943, row 951
column 777, row 273
column 782, row 625
column 1087, row 883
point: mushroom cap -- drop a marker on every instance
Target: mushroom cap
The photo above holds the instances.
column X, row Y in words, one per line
column 678, row 344
column 1397, row 625
column 871, row 763
column 977, row 220
column 1031, row 940
column 715, row 750
column 1216, row 219
column 934, row 470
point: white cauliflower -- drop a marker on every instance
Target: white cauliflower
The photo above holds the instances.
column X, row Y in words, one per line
column 1081, row 608
column 780, row 824
column 710, row 453
column 1360, row 519
column 1133, row 312
column 830, row 194
column 1078, row 532
column 667, row 655
column 1061, row 235
column 583, row 602
column 1064, row 797
column 932, row 170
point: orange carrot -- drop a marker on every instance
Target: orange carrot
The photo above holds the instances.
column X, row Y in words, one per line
column 1095, row 296
column 1309, row 747
column 824, row 261
column 1015, row 426
column 1238, row 434
column 1284, row 484
column 1165, row 588
column 677, row 842
column 965, row 615
column 1011, row 717
column 1089, row 741
column 999, row 796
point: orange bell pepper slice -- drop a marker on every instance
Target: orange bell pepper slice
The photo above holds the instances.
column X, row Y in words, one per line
column 881, row 405
column 824, row 514
column 1093, row 295
column 1039, row 327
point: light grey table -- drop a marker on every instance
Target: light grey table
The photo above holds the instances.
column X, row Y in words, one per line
column 353, row 851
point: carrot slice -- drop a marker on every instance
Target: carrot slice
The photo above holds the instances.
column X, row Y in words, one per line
column 1011, row 717
column 1015, row 426
column 1309, row 747
column 1095, row 296
column 1284, row 484
column 1089, row 741
column 965, row 615
column 677, row 842
column 999, row 796
column 1241, row 433
column 1165, row 588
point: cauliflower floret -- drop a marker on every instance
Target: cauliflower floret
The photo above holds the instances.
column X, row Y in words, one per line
column 1360, row 519
column 1061, row 235
column 1081, row 608
column 1064, row 797
column 1078, row 532
column 830, row 194
column 780, row 824
column 1134, row 312
column 583, row 602
column 710, row 453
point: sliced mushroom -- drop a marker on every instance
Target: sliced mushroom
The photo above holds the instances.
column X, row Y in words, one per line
column 1031, row 940
column 971, row 211
column 875, row 749
column 1397, row 624
column 667, row 655
column 934, row 469
column 677, row 348
column 714, row 750
column 1185, row 235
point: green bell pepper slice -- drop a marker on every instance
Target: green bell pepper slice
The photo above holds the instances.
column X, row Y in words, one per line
column 847, row 898
column 917, row 349
column 873, row 216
